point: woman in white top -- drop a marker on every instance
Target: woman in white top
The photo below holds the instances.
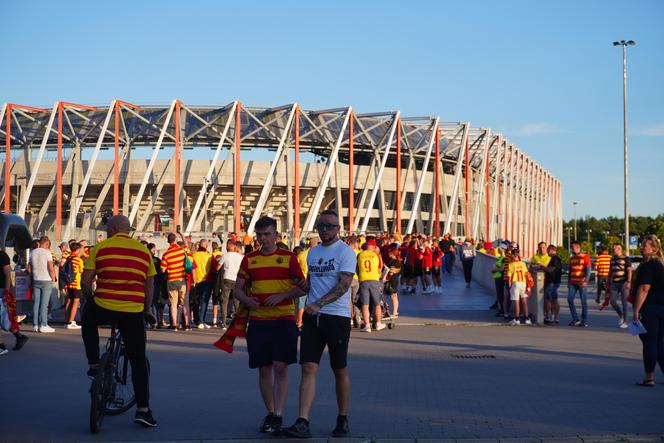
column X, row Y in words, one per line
column 43, row 276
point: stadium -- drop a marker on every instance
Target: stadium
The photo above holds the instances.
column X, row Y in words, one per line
column 219, row 168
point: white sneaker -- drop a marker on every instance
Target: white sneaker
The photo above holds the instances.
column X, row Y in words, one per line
column 620, row 322
column 380, row 326
column 366, row 329
column 35, row 329
column 72, row 325
column 201, row 326
column 528, row 322
column 206, row 326
column 20, row 318
column 623, row 325
column 515, row 322
column 46, row 329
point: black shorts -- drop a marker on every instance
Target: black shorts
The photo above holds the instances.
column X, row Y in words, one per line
column 271, row 340
column 435, row 270
column 74, row 294
column 426, row 271
column 407, row 271
column 323, row 330
column 417, row 271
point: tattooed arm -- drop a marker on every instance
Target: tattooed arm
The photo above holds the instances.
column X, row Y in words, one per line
column 335, row 293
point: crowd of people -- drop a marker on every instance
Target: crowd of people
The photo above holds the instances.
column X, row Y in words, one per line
column 317, row 291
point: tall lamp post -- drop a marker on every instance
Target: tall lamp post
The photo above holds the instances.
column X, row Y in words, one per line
column 624, row 45
column 575, row 203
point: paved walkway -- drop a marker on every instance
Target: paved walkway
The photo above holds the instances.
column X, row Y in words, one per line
column 428, row 383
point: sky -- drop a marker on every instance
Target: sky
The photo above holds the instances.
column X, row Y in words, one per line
column 544, row 74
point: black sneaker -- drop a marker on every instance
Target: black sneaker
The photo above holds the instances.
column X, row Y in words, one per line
column 268, row 423
column 145, row 418
column 583, row 324
column 92, row 373
column 299, row 430
column 20, row 341
column 3, row 349
column 574, row 323
column 341, row 430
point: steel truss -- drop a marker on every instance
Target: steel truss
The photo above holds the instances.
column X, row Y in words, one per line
column 381, row 171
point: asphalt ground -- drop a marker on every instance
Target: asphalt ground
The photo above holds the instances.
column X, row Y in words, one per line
column 449, row 371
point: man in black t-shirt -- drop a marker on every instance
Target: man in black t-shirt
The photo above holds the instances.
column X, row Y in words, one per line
column 552, row 277
column 8, row 308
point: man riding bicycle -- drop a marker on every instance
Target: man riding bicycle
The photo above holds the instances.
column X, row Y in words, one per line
column 125, row 273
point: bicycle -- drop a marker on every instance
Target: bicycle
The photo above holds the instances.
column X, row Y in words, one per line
column 112, row 391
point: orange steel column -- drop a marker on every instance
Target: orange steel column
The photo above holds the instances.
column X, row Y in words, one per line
column 466, row 218
column 58, row 180
column 487, row 195
column 351, row 167
column 176, row 160
column 398, row 187
column 116, row 162
column 436, row 185
column 296, row 179
column 8, row 159
column 237, row 188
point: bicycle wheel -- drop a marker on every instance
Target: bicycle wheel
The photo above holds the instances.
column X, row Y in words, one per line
column 122, row 390
column 99, row 394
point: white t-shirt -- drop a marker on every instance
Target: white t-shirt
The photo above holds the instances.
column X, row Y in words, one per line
column 326, row 263
column 39, row 259
column 230, row 263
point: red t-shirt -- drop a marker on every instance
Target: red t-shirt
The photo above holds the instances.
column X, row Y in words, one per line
column 427, row 258
column 437, row 257
column 412, row 255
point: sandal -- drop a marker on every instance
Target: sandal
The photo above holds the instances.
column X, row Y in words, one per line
column 646, row 383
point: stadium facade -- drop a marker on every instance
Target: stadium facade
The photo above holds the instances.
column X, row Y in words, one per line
column 69, row 167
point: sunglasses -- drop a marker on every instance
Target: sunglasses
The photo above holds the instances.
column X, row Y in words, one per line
column 325, row 226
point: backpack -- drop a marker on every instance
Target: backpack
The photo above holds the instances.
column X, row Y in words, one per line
column 188, row 264
column 66, row 273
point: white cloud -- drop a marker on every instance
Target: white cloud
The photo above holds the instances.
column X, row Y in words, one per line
column 656, row 130
column 537, row 129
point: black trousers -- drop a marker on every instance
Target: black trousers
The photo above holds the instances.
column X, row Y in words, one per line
column 467, row 269
column 652, row 317
column 132, row 328
column 500, row 291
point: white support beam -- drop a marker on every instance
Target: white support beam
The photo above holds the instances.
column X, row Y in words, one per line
column 267, row 186
column 320, row 192
column 78, row 198
column 454, row 203
column 480, row 195
column 208, row 177
column 379, row 177
column 423, row 173
column 153, row 160
column 35, row 168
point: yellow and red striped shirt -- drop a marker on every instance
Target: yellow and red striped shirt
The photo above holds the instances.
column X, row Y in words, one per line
column 603, row 265
column 173, row 262
column 77, row 264
column 577, row 268
column 267, row 275
column 122, row 265
column 65, row 256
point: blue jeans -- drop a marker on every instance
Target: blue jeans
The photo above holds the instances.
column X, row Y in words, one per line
column 200, row 300
column 571, row 294
column 41, row 294
column 551, row 291
column 619, row 292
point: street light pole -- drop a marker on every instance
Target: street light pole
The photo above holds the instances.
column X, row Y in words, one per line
column 575, row 237
column 624, row 45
